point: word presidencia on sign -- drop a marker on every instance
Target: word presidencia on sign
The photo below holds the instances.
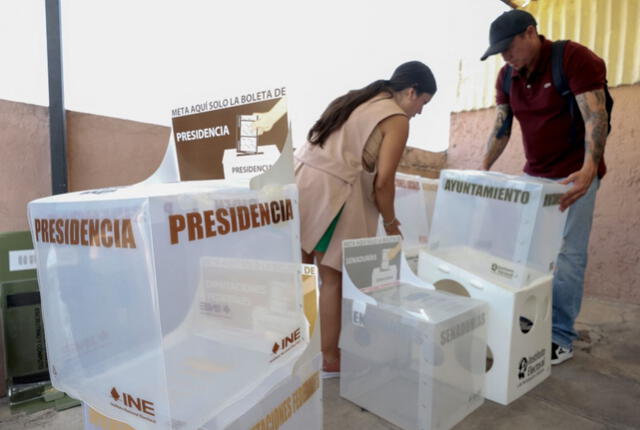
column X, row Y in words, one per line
column 233, row 137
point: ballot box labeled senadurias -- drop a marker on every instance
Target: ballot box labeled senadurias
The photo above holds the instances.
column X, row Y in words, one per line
column 409, row 354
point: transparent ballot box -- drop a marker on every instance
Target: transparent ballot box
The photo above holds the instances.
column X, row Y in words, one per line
column 414, row 204
column 165, row 304
column 409, row 354
column 506, row 229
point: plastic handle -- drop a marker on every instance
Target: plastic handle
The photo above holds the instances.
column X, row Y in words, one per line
column 443, row 269
column 476, row 284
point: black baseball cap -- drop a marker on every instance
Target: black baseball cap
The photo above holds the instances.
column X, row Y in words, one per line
column 504, row 28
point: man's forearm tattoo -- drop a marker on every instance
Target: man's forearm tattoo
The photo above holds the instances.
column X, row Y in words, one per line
column 594, row 114
column 496, row 145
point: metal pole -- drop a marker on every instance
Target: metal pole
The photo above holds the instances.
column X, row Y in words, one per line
column 57, row 117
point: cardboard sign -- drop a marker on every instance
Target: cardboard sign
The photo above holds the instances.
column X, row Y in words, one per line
column 372, row 263
column 234, row 137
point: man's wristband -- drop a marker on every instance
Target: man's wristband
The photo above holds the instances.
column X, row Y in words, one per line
column 390, row 223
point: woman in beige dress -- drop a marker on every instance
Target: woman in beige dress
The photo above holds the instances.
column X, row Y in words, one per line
column 346, row 178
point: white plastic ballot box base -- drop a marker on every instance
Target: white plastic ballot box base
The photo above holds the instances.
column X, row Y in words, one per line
column 519, row 326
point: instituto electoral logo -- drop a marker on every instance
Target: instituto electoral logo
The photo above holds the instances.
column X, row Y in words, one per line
column 532, row 366
column 286, row 343
column 137, row 406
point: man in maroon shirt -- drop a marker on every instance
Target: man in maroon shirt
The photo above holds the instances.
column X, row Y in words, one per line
column 555, row 147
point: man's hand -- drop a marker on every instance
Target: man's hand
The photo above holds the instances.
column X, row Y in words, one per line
column 594, row 113
column 581, row 180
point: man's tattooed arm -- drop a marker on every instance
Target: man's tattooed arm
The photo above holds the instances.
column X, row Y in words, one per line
column 496, row 145
column 594, row 113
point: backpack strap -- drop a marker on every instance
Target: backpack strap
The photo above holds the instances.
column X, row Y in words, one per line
column 506, row 81
column 506, row 88
column 561, row 84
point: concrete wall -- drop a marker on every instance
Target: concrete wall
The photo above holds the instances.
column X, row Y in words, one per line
column 101, row 152
column 104, row 152
column 25, row 161
column 423, row 163
column 614, row 249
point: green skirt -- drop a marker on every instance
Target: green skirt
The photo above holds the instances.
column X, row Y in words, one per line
column 323, row 243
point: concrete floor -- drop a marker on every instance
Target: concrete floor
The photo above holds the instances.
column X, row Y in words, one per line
column 599, row 389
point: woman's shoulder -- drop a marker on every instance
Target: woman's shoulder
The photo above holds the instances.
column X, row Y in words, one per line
column 382, row 103
column 396, row 122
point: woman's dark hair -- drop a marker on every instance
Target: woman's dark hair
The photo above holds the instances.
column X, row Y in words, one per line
column 412, row 74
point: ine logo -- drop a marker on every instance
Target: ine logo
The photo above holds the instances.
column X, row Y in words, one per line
column 522, row 368
column 286, row 343
column 141, row 405
column 114, row 394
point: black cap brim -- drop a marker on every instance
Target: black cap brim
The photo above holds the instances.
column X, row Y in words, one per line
column 497, row 47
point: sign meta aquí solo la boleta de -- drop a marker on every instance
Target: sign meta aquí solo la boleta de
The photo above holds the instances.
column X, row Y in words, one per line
column 234, row 137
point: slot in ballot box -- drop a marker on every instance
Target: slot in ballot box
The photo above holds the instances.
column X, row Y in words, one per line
column 172, row 305
column 409, row 354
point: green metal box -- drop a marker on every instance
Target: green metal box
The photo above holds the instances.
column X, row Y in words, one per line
column 23, row 359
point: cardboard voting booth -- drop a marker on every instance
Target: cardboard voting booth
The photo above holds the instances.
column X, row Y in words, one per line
column 172, row 305
column 409, row 354
column 293, row 404
column 495, row 238
column 507, row 229
column 414, row 204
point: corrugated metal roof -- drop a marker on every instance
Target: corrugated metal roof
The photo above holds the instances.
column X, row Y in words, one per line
column 611, row 28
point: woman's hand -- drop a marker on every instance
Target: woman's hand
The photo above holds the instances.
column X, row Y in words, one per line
column 395, row 131
column 392, row 228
